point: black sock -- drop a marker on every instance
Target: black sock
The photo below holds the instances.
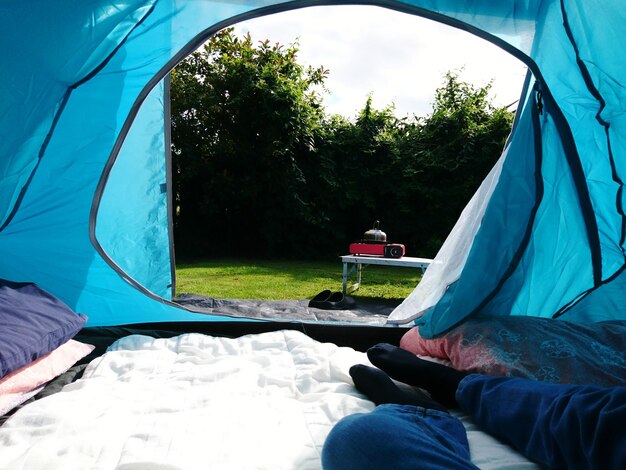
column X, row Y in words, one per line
column 379, row 388
column 439, row 380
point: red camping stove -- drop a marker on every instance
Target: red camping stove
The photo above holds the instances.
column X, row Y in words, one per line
column 374, row 243
column 386, row 250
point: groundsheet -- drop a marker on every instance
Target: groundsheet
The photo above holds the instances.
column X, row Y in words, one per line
column 370, row 311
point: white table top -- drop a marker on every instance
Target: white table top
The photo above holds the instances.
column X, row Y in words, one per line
column 405, row 261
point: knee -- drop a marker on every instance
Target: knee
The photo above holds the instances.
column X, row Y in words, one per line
column 380, row 439
column 398, row 437
column 349, row 443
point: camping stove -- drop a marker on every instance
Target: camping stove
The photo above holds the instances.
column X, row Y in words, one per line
column 386, row 250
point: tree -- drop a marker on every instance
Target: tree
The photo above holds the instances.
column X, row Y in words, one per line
column 360, row 154
column 447, row 155
column 415, row 175
column 244, row 116
column 262, row 171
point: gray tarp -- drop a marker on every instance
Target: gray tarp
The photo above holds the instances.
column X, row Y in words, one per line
column 365, row 311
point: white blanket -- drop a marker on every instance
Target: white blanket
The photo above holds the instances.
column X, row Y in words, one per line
column 257, row 402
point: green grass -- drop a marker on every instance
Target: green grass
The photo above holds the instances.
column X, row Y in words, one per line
column 287, row 280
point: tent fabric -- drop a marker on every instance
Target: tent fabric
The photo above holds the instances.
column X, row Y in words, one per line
column 48, row 55
column 574, row 242
column 135, row 197
column 514, row 188
column 83, row 159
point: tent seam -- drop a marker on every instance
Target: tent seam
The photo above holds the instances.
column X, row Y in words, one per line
column 169, row 198
column 108, row 58
column 565, row 308
column 539, row 193
column 57, row 117
column 42, row 150
column 605, row 124
column 580, row 182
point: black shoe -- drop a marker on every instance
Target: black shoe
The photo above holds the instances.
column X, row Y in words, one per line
column 321, row 299
column 338, row 301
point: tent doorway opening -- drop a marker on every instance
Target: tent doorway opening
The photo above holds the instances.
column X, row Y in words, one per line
column 291, row 133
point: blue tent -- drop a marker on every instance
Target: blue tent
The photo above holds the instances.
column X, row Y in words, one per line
column 84, row 158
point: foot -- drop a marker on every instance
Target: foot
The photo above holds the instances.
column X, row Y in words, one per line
column 379, row 388
column 439, row 380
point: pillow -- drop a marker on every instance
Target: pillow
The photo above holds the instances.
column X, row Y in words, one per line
column 23, row 383
column 32, row 323
column 543, row 349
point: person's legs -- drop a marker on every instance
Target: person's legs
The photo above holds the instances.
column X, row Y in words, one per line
column 379, row 388
column 406, row 431
column 397, row 437
column 559, row 426
column 440, row 381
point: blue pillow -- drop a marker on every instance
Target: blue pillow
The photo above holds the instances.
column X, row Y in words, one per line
column 32, row 323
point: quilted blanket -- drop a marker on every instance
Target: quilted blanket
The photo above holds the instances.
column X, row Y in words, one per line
column 194, row 401
column 263, row 401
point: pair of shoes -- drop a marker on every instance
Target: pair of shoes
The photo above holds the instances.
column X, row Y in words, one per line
column 328, row 300
column 320, row 298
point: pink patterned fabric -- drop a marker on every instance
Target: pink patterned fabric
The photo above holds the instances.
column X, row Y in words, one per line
column 538, row 348
column 21, row 384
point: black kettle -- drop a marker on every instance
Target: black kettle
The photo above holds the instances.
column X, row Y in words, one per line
column 375, row 234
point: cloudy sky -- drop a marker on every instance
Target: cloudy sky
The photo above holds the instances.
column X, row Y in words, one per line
column 399, row 58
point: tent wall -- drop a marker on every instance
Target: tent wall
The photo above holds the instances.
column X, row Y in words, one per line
column 574, row 243
column 136, row 198
column 82, row 107
column 510, row 208
column 46, row 55
column 48, row 238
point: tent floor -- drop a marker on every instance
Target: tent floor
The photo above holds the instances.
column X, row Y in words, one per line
column 368, row 311
column 359, row 328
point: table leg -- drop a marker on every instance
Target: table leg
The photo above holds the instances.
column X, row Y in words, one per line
column 345, row 277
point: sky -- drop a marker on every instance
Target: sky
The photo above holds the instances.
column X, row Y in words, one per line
column 398, row 58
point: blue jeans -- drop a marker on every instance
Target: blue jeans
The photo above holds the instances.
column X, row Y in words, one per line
column 558, row 426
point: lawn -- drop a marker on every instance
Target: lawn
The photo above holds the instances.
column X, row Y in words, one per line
column 287, row 280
